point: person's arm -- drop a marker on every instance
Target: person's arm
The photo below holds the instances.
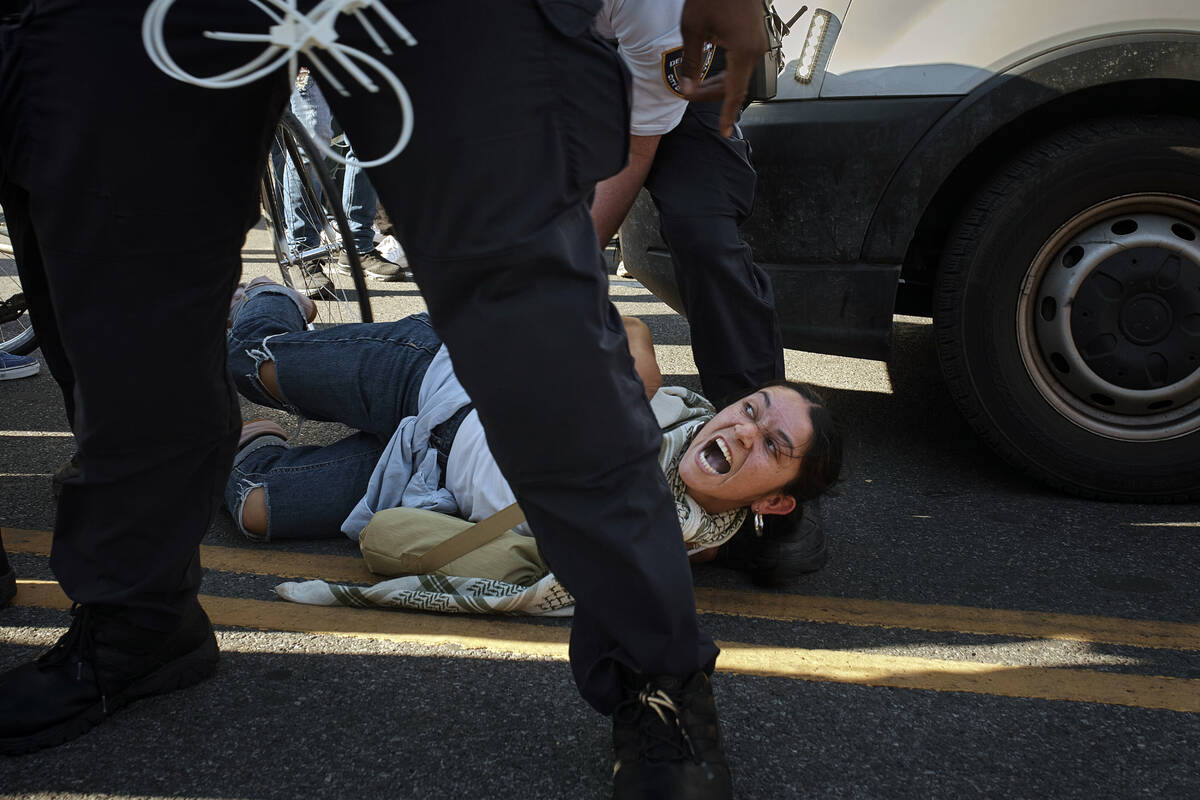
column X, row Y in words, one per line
column 736, row 25
column 641, row 347
column 615, row 195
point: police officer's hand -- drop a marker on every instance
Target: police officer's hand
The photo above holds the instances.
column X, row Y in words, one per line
column 736, row 25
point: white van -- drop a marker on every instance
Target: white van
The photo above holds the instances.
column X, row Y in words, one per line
column 1026, row 173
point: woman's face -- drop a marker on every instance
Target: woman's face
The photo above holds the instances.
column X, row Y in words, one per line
column 748, row 452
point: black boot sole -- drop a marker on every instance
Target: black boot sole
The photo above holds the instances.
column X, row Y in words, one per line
column 185, row 671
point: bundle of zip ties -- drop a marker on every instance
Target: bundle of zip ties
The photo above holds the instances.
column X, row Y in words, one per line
column 295, row 32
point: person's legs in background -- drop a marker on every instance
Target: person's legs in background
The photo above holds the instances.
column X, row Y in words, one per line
column 361, row 203
column 310, row 108
column 359, row 200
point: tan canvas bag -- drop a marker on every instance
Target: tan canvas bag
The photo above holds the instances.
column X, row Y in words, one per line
column 413, row 541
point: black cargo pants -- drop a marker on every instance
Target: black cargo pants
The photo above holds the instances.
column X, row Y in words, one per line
column 703, row 185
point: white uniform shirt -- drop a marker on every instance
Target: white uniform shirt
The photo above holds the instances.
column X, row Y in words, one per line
column 648, row 37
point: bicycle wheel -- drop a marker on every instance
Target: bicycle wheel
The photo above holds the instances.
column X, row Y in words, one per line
column 16, row 333
column 312, row 266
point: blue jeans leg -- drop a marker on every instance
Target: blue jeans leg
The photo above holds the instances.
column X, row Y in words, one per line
column 309, row 106
column 360, row 202
column 365, row 375
column 335, row 476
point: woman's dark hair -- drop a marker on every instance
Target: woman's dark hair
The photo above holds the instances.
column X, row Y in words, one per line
column 822, row 460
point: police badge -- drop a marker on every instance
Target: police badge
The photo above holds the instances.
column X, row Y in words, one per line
column 672, row 60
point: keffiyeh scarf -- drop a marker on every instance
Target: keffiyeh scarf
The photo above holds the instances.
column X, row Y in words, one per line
column 681, row 414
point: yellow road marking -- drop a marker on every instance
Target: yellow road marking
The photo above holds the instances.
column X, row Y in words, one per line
column 267, row 561
column 759, row 605
column 959, row 619
column 23, row 434
column 500, row 636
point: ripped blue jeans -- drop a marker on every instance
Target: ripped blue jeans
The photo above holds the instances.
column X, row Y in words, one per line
column 358, row 196
column 367, row 376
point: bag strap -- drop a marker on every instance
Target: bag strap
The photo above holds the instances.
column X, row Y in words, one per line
column 468, row 540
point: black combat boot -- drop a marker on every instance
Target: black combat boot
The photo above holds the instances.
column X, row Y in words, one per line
column 99, row 665
column 668, row 742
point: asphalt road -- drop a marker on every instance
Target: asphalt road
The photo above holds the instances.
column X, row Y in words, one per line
column 974, row 635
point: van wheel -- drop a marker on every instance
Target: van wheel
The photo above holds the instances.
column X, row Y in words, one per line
column 1067, row 309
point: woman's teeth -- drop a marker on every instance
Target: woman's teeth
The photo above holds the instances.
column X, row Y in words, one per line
column 715, row 458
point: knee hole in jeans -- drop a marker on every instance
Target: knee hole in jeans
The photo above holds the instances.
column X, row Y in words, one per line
column 252, row 513
column 268, row 378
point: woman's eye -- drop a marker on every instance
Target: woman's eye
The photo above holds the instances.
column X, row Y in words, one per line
column 749, row 411
column 771, row 445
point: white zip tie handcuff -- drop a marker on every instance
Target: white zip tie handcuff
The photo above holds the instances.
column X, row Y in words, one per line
column 295, row 32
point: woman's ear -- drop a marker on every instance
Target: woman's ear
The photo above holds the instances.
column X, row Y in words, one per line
column 778, row 503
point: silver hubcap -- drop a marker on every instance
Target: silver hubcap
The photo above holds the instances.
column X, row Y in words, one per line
column 1109, row 318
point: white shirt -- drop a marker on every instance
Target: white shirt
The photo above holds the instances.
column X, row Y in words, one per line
column 479, row 488
column 473, row 477
column 648, row 38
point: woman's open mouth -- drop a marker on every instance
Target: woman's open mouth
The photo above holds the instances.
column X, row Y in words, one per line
column 714, row 458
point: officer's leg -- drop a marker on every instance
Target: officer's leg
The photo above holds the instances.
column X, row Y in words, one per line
column 15, row 201
column 107, row 184
column 491, row 205
column 130, row 297
column 703, row 185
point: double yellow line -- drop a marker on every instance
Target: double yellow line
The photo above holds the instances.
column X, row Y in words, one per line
column 500, row 635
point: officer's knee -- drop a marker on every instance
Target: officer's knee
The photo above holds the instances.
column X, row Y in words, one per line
column 699, row 240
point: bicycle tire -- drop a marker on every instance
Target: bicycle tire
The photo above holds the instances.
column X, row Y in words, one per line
column 16, row 332
column 314, row 271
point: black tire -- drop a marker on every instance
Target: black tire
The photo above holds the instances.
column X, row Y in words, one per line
column 340, row 291
column 1067, row 309
column 16, row 332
